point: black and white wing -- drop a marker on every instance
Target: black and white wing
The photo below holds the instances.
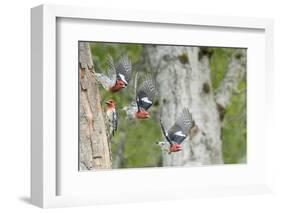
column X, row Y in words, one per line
column 111, row 70
column 146, row 93
column 165, row 133
column 124, row 69
column 179, row 131
column 110, row 80
column 114, row 121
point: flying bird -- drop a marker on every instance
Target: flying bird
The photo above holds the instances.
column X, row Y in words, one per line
column 178, row 132
column 143, row 100
column 118, row 76
column 112, row 117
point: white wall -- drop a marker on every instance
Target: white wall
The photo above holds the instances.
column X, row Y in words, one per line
column 15, row 98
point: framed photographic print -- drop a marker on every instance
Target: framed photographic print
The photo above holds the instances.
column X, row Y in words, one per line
column 136, row 102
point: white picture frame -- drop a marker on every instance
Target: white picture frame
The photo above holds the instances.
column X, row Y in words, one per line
column 45, row 178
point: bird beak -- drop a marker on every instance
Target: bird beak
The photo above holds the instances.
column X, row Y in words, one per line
column 107, row 102
column 148, row 116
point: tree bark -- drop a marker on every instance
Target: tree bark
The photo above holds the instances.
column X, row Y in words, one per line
column 183, row 80
column 235, row 72
column 94, row 144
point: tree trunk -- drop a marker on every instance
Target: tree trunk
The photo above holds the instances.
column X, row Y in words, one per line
column 94, row 144
column 183, row 80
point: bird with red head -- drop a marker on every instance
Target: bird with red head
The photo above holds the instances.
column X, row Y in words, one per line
column 178, row 132
column 118, row 75
column 145, row 94
column 111, row 117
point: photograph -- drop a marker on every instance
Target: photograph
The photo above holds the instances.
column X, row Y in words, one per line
column 161, row 105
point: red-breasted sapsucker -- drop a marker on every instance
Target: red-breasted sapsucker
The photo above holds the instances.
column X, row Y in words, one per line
column 143, row 100
column 112, row 117
column 178, row 132
column 118, row 76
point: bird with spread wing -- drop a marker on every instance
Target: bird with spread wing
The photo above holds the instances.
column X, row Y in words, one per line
column 178, row 132
column 118, row 76
column 144, row 95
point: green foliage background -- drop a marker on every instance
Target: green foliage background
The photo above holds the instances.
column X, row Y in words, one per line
column 140, row 149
